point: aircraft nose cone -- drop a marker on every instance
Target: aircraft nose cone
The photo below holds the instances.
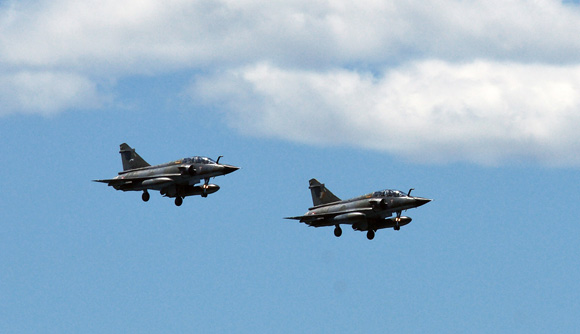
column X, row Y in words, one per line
column 229, row 169
column 422, row 201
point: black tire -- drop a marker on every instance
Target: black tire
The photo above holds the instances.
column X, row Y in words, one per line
column 370, row 234
column 337, row 231
column 178, row 201
column 145, row 197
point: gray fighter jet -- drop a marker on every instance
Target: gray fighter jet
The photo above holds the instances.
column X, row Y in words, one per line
column 369, row 212
column 176, row 179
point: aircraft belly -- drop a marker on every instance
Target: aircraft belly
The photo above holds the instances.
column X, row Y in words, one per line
column 351, row 218
column 391, row 222
column 193, row 181
column 385, row 214
column 320, row 223
column 187, row 190
column 157, row 183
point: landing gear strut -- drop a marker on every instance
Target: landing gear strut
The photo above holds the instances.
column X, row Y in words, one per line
column 337, row 231
column 178, row 201
column 145, row 197
column 398, row 219
column 204, row 193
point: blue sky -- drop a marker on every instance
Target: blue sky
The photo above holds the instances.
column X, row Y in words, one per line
column 474, row 104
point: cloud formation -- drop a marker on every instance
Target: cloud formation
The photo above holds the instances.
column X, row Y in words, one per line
column 428, row 111
column 479, row 81
column 136, row 36
column 46, row 92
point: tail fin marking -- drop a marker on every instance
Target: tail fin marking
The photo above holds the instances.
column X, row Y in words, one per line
column 321, row 195
column 130, row 158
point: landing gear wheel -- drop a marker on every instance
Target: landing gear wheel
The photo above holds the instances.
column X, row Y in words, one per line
column 397, row 221
column 205, row 186
column 178, row 201
column 337, row 231
column 370, row 234
column 145, row 197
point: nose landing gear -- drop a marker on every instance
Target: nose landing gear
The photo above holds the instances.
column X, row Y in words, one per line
column 397, row 227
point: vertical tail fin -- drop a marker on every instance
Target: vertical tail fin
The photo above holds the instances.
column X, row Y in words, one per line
column 321, row 195
column 130, row 158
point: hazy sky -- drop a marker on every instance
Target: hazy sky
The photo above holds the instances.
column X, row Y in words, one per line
column 476, row 104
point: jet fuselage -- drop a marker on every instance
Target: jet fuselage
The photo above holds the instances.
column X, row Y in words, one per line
column 176, row 179
column 381, row 206
column 369, row 212
column 181, row 172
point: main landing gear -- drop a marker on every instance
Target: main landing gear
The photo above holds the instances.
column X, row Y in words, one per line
column 337, row 231
column 145, row 197
column 178, row 200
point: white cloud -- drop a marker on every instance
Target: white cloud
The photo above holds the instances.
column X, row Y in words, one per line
column 457, row 80
column 46, row 93
column 119, row 37
column 428, row 111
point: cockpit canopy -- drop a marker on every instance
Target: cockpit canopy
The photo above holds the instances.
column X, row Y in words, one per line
column 389, row 193
column 198, row 160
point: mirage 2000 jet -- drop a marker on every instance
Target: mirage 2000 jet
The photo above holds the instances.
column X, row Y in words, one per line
column 365, row 213
column 176, row 179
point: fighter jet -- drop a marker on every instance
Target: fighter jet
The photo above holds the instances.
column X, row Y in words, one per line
column 369, row 212
column 176, row 179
